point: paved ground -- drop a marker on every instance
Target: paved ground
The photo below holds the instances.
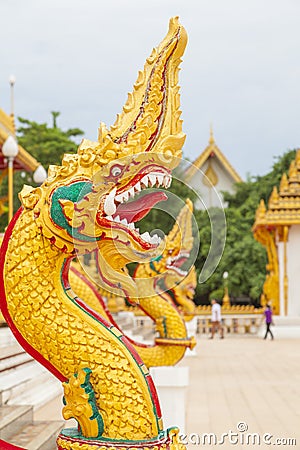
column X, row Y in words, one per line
column 249, row 380
column 239, row 380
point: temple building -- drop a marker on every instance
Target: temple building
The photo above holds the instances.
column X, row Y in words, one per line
column 277, row 227
column 210, row 174
column 22, row 161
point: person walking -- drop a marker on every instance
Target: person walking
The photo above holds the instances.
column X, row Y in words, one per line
column 216, row 319
column 268, row 319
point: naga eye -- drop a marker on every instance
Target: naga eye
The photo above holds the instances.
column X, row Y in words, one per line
column 116, row 171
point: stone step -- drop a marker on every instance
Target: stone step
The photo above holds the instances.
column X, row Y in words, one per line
column 6, row 336
column 40, row 392
column 29, row 383
column 10, row 349
column 13, row 419
column 38, row 435
column 15, row 359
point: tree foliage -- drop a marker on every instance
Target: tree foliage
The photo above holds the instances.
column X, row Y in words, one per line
column 47, row 144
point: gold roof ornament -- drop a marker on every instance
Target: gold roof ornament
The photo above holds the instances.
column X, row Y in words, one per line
column 23, row 158
column 272, row 224
column 284, row 184
column 212, row 151
column 210, row 178
column 211, row 136
column 283, row 206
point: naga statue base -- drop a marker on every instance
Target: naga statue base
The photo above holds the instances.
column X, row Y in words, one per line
column 70, row 439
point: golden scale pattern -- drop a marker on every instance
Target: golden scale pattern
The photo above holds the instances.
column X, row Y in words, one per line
column 184, row 292
column 80, row 446
column 83, row 291
column 168, row 322
column 73, row 341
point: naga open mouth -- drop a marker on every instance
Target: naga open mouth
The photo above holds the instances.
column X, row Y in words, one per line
column 121, row 209
column 175, row 263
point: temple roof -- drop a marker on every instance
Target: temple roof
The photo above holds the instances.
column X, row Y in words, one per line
column 283, row 206
column 212, row 151
column 23, row 160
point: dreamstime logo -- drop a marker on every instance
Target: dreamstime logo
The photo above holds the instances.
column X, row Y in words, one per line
column 121, row 206
column 240, row 436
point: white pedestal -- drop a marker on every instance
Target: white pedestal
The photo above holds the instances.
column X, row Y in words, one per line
column 171, row 384
column 191, row 328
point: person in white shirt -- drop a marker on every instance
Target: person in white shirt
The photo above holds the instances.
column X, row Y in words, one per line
column 216, row 319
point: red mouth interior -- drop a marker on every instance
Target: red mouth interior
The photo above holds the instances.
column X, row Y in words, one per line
column 178, row 263
column 137, row 209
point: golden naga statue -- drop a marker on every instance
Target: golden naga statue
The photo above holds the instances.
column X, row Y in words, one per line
column 178, row 282
column 153, row 279
column 183, row 294
column 81, row 208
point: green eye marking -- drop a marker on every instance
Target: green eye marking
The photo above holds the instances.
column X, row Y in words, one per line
column 74, row 192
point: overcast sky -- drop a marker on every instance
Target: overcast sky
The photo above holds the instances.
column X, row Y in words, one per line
column 241, row 69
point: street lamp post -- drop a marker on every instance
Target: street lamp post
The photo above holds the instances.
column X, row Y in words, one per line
column 226, row 298
column 12, row 80
column 39, row 175
column 10, row 150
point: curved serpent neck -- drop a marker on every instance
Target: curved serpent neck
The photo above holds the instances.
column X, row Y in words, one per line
column 182, row 296
column 66, row 338
column 158, row 306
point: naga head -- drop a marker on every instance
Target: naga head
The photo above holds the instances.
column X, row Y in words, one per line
column 94, row 199
column 167, row 267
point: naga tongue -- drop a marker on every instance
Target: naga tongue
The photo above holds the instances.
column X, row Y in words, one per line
column 137, row 209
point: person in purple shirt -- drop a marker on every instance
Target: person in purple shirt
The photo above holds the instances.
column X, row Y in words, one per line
column 268, row 317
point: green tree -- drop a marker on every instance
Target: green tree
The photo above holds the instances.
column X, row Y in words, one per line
column 47, row 144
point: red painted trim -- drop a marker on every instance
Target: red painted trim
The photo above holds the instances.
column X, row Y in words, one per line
column 161, row 442
column 3, row 305
column 101, row 301
column 125, row 341
column 7, row 446
column 154, row 395
column 96, row 293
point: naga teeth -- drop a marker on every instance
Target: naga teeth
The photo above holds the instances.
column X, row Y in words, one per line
column 167, row 181
column 131, row 192
column 138, row 187
column 149, row 180
column 152, row 178
column 146, row 237
column 155, row 239
column 109, row 204
column 160, row 179
column 145, row 181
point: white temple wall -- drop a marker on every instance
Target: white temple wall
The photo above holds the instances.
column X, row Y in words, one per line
column 207, row 194
column 280, row 255
column 293, row 270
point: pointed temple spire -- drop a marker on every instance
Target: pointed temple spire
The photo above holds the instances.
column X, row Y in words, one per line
column 211, row 136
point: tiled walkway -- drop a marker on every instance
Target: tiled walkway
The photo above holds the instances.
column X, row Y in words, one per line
column 239, row 379
column 249, row 380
